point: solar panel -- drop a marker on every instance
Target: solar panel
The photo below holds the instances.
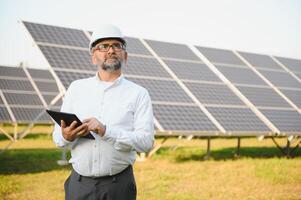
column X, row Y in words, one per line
column 290, row 63
column 48, row 98
column 144, row 67
column 135, row 46
column 192, row 71
column 263, row 97
column 173, row 108
column 238, row 75
column 298, row 75
column 57, row 35
column 46, row 86
column 29, row 114
column 68, row 77
column 22, row 99
column 238, row 119
column 183, row 118
column 293, row 95
column 281, row 79
column 37, row 74
column 4, row 116
column 12, row 72
column 220, row 56
column 214, row 94
column 260, row 61
column 284, row 120
column 68, row 58
column 9, row 84
column 172, row 50
column 163, row 90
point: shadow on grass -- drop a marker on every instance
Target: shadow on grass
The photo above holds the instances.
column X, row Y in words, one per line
column 22, row 161
column 184, row 154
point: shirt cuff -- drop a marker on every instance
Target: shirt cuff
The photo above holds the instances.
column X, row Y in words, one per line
column 65, row 142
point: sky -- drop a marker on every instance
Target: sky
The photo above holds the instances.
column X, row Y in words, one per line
column 271, row 27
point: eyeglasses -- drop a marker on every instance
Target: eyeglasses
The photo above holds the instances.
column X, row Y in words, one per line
column 106, row 47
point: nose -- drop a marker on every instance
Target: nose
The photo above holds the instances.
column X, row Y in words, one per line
column 111, row 49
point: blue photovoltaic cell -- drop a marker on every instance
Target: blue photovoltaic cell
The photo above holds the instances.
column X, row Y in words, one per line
column 57, row 35
column 262, row 61
column 10, row 84
column 68, row 58
column 214, row 94
column 182, row 118
column 144, row 67
column 192, row 71
column 238, row 119
column 45, row 86
column 281, row 79
column 4, row 116
column 49, row 98
column 135, row 46
column 239, row 75
column 263, row 97
column 172, row 50
column 22, row 99
column 29, row 114
column 40, row 74
column 298, row 75
column 220, row 56
column 161, row 90
column 12, row 72
column 292, row 64
column 68, row 77
column 293, row 95
column 284, row 120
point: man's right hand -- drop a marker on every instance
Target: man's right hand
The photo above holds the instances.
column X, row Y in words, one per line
column 71, row 132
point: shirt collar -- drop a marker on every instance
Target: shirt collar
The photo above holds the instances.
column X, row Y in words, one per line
column 116, row 82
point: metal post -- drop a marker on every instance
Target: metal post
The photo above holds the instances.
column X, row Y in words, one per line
column 208, row 148
column 237, row 153
column 288, row 149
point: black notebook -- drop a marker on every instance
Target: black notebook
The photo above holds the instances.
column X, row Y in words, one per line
column 68, row 119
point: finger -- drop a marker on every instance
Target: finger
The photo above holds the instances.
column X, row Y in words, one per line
column 73, row 125
column 63, row 124
column 80, row 128
column 87, row 120
column 82, row 132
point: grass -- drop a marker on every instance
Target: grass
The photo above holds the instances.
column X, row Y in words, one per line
column 178, row 171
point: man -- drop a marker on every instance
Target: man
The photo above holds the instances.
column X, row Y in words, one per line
column 117, row 112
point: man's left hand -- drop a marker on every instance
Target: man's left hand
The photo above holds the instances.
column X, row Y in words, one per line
column 95, row 126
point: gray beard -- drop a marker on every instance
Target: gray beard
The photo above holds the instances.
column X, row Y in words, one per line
column 112, row 67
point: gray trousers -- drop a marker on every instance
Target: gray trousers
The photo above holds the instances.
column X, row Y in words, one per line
column 121, row 186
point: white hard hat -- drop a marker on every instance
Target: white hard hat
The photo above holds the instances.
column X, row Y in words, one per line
column 107, row 31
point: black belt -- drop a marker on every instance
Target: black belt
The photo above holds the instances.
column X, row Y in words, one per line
column 101, row 178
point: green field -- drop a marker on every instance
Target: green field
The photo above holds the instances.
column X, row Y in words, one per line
column 178, row 171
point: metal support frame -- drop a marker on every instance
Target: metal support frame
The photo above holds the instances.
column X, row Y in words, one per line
column 6, row 134
column 237, row 153
column 157, row 147
column 287, row 150
column 208, row 148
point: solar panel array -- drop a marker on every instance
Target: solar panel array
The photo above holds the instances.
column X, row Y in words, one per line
column 22, row 99
column 188, row 94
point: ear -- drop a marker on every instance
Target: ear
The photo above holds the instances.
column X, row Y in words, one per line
column 93, row 59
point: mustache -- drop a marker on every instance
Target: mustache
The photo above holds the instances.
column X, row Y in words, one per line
column 113, row 57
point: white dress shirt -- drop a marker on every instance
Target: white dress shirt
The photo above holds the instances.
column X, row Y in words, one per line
column 126, row 110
